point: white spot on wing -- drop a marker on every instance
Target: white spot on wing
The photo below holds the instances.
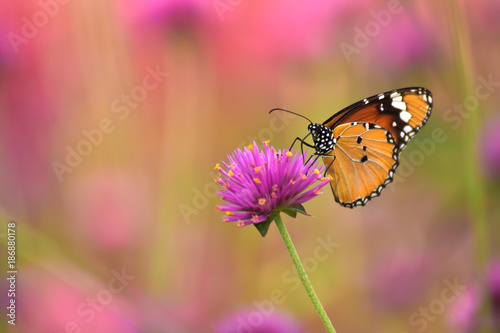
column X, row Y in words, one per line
column 399, row 105
column 405, row 116
column 407, row 129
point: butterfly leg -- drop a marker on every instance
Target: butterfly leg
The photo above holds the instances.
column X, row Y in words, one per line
column 315, row 159
column 329, row 166
column 302, row 143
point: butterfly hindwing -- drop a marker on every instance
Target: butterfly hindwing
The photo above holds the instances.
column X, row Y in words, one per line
column 362, row 162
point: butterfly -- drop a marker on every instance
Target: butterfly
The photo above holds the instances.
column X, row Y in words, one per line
column 360, row 145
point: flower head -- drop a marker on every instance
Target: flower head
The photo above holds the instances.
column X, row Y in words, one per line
column 255, row 183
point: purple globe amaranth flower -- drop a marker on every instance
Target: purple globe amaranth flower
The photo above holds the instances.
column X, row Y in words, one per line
column 257, row 183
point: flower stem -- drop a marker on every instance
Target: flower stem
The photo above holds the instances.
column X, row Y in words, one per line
column 303, row 275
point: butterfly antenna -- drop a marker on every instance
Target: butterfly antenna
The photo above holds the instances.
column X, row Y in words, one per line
column 278, row 109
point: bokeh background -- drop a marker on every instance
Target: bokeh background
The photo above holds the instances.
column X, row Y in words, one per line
column 114, row 113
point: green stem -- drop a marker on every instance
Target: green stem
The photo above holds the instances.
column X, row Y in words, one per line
column 475, row 189
column 303, row 275
column 473, row 180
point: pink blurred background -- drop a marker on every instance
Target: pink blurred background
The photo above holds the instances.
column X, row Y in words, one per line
column 113, row 114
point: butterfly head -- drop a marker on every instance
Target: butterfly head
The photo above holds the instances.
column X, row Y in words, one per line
column 323, row 138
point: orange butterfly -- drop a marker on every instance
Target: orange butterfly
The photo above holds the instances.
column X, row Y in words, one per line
column 361, row 143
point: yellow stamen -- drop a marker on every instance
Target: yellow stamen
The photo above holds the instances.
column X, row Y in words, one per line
column 289, row 154
column 257, row 180
column 250, row 146
column 230, row 173
column 229, row 213
column 240, row 223
column 262, row 201
column 292, row 181
column 217, row 166
column 316, row 171
column 266, row 142
column 304, row 177
column 257, row 169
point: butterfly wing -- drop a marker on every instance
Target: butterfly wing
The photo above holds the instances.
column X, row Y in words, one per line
column 402, row 112
column 361, row 163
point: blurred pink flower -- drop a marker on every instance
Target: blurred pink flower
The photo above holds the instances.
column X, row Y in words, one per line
column 170, row 16
column 32, row 86
column 403, row 43
column 246, row 40
column 462, row 313
column 262, row 38
column 255, row 321
column 483, row 16
column 25, row 129
column 493, row 280
column 70, row 301
column 399, row 279
column 489, row 147
column 109, row 209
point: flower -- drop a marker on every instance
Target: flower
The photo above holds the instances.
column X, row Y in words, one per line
column 255, row 183
column 414, row 45
column 397, row 280
column 463, row 315
column 258, row 322
column 59, row 296
column 107, row 208
column 171, row 16
column 493, row 282
column 463, row 312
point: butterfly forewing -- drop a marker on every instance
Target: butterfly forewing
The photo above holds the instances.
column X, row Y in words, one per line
column 362, row 162
column 402, row 112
